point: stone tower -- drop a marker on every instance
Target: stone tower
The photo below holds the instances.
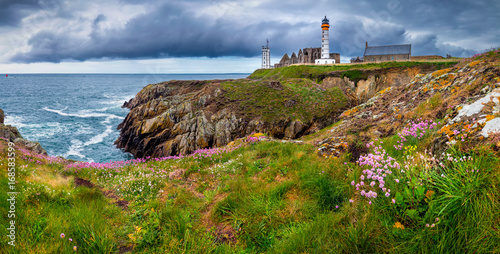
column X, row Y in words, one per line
column 266, row 56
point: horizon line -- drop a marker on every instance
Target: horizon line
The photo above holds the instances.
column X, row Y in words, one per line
column 119, row 73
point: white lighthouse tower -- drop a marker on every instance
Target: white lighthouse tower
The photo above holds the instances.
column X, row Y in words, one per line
column 325, row 44
column 266, row 56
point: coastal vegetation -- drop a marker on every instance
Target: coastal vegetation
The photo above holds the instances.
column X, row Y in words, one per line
column 317, row 71
column 408, row 171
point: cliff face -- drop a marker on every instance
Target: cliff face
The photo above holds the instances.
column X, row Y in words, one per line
column 179, row 117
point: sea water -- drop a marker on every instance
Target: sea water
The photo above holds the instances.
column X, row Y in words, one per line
column 76, row 115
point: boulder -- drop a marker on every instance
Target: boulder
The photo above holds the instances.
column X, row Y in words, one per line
column 9, row 132
column 31, row 145
column 2, row 116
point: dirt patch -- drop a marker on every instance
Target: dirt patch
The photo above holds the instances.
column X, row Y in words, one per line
column 126, row 249
column 275, row 85
column 225, row 234
column 82, row 182
column 122, row 203
column 119, row 202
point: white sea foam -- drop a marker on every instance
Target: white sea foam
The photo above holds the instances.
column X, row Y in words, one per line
column 100, row 137
column 117, row 100
column 34, row 131
column 45, row 130
column 83, row 130
column 14, row 120
column 75, row 149
column 84, row 114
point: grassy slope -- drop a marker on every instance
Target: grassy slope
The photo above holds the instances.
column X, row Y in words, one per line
column 314, row 71
column 297, row 98
column 259, row 197
column 266, row 93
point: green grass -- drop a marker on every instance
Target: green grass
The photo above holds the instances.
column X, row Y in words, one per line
column 264, row 197
column 314, row 72
column 296, row 99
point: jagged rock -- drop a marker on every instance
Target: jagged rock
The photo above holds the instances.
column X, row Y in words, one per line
column 9, row 132
column 2, row 116
column 31, row 145
column 295, row 128
column 439, row 145
column 13, row 135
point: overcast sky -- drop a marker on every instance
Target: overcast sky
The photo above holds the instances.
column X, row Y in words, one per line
column 212, row 36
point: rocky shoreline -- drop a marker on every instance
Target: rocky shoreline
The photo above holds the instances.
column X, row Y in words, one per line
column 11, row 134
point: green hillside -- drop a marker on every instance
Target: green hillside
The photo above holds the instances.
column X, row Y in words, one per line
column 375, row 194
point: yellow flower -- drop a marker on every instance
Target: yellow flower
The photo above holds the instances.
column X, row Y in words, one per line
column 399, row 225
column 429, row 195
column 132, row 237
column 138, row 229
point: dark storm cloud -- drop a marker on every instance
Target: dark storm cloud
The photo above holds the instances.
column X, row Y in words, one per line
column 13, row 11
column 173, row 30
column 169, row 31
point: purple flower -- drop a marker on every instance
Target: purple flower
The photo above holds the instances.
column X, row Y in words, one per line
column 353, row 183
column 427, row 225
column 350, row 200
column 397, row 180
column 432, row 225
column 393, row 201
column 338, row 207
column 370, row 202
column 437, row 219
column 387, row 194
column 70, row 240
column 62, row 235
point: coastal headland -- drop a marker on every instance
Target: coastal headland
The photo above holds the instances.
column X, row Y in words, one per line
column 180, row 117
column 379, row 158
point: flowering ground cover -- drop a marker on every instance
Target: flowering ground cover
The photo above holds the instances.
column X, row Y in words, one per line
column 395, row 193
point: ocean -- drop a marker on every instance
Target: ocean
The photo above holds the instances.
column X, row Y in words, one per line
column 76, row 115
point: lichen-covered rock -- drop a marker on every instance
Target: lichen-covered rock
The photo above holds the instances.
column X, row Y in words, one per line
column 9, row 132
column 31, row 145
column 466, row 97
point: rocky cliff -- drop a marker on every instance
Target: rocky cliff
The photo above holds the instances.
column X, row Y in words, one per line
column 11, row 134
column 179, row 117
column 464, row 96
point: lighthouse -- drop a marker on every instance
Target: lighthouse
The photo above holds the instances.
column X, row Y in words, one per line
column 266, row 56
column 325, row 43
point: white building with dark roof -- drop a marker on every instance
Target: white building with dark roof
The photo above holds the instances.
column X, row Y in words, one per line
column 387, row 53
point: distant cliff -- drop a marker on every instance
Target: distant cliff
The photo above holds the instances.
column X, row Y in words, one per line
column 179, row 117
